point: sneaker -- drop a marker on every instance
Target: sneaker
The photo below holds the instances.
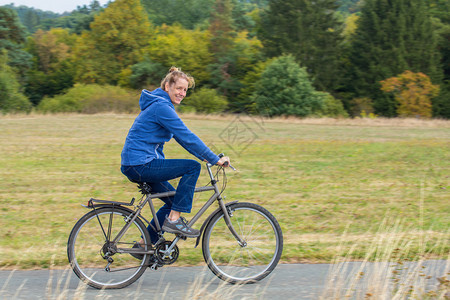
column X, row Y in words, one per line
column 180, row 227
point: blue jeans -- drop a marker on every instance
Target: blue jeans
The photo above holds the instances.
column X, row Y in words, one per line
column 157, row 173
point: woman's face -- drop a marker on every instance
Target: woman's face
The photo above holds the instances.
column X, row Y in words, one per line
column 177, row 91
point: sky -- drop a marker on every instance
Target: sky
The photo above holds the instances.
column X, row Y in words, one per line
column 57, row 6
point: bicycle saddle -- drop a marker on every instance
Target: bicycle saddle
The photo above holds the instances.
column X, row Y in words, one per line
column 144, row 187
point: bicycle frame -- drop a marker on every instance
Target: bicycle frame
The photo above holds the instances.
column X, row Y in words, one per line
column 149, row 199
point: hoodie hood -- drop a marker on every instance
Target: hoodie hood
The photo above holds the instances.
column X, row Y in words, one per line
column 148, row 98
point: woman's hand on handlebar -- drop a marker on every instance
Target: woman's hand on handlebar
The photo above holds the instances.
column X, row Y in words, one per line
column 224, row 161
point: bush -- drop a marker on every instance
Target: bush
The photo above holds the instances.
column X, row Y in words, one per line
column 285, row 89
column 91, row 99
column 361, row 107
column 204, row 101
column 244, row 101
column 332, row 107
column 11, row 99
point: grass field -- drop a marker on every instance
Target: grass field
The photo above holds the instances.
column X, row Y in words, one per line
column 332, row 184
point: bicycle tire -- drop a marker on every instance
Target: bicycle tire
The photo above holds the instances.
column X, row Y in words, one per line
column 251, row 263
column 86, row 248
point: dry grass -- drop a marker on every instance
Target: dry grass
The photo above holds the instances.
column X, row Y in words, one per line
column 319, row 177
column 379, row 121
column 387, row 271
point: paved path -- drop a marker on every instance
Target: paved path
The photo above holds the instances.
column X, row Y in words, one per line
column 288, row 281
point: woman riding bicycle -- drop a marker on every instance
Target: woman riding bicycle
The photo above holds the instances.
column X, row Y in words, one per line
column 143, row 159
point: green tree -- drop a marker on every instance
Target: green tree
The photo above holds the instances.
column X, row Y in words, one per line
column 222, row 35
column 221, row 27
column 11, row 29
column 176, row 46
column 234, row 53
column 187, row 13
column 285, row 89
column 349, row 6
column 77, row 21
column 11, row 99
column 32, row 18
column 52, row 72
column 146, row 74
column 440, row 10
column 230, row 68
column 52, row 47
column 391, row 37
column 350, row 26
column 243, row 14
column 193, row 14
column 117, row 40
column 12, row 39
column 310, row 31
column 244, row 100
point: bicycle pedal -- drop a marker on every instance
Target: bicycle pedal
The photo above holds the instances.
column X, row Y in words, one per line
column 155, row 266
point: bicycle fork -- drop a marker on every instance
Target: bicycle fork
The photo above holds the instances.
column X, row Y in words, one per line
column 227, row 213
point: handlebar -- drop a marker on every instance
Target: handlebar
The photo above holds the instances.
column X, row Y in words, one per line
column 226, row 164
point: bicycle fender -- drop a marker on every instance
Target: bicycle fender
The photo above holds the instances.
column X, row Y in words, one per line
column 209, row 218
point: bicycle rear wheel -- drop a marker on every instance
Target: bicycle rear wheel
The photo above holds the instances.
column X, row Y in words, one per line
column 93, row 256
column 248, row 263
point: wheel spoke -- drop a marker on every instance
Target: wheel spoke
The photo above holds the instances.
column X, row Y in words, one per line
column 90, row 255
column 237, row 264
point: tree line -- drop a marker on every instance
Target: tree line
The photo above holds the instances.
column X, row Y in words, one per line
column 292, row 57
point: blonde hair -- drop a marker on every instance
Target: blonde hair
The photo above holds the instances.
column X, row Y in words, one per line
column 175, row 74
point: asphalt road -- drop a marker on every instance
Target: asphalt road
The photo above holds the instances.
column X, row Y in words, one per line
column 288, row 281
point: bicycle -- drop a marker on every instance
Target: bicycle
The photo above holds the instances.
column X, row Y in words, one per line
column 241, row 242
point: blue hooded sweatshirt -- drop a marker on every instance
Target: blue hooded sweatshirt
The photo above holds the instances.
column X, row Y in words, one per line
column 156, row 124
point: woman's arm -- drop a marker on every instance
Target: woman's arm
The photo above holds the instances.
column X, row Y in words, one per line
column 168, row 118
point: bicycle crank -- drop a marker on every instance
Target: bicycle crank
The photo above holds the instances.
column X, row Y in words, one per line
column 166, row 256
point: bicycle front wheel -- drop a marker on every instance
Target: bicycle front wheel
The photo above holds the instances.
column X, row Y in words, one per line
column 246, row 263
column 98, row 261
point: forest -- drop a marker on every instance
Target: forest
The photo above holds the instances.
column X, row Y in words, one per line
column 302, row 58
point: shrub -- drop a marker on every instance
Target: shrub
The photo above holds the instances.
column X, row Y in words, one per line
column 361, row 106
column 332, row 107
column 204, row 100
column 244, row 101
column 285, row 89
column 91, row 99
column 11, row 99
